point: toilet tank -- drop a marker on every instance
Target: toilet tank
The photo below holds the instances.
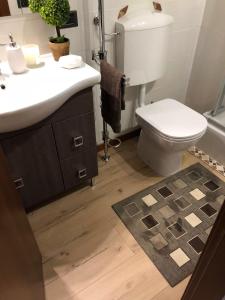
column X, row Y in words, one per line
column 142, row 46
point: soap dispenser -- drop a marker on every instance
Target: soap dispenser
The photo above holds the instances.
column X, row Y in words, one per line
column 15, row 57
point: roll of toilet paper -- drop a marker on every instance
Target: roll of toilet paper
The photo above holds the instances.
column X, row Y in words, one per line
column 70, row 61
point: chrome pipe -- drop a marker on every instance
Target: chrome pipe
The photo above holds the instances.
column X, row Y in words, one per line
column 101, row 15
column 102, row 55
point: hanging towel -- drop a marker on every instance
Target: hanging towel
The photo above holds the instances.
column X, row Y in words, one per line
column 112, row 95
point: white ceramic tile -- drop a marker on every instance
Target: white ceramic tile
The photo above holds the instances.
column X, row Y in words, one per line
column 149, row 200
column 193, row 220
column 179, row 257
column 197, row 194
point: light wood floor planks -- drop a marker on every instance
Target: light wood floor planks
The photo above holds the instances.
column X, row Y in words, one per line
column 87, row 252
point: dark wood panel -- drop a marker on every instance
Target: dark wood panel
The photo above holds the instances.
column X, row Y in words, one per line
column 80, row 168
column 79, row 104
column 4, row 8
column 34, row 165
column 207, row 281
column 74, row 135
column 20, row 260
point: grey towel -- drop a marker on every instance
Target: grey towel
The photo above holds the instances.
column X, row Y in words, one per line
column 113, row 92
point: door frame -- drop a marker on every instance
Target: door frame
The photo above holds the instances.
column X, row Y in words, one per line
column 20, row 258
column 4, row 9
column 207, row 281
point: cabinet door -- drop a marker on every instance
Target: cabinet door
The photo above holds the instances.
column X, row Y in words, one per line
column 34, row 165
column 74, row 135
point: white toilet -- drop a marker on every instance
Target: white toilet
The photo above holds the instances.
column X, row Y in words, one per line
column 168, row 127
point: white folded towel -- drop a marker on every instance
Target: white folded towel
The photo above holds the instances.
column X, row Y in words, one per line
column 70, row 61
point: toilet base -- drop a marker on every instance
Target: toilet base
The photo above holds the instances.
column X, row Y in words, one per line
column 162, row 161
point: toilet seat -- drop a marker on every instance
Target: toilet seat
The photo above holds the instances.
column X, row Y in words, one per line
column 172, row 120
column 173, row 139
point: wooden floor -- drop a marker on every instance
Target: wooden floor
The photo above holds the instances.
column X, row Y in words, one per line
column 87, row 252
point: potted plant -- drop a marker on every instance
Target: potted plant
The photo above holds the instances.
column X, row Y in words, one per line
column 55, row 13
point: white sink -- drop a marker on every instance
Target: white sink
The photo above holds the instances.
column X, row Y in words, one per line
column 31, row 97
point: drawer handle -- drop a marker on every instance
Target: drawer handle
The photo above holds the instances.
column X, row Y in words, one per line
column 78, row 141
column 82, row 173
column 19, row 183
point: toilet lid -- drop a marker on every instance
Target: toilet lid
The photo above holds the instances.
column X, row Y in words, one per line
column 173, row 119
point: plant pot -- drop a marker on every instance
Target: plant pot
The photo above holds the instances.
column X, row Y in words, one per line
column 59, row 49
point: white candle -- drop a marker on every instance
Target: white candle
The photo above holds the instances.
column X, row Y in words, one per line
column 32, row 55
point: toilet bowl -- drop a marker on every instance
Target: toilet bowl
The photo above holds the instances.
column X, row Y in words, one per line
column 169, row 128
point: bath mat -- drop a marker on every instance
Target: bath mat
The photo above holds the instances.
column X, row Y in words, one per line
column 172, row 219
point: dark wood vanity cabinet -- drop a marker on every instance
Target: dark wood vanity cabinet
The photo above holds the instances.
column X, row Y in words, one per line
column 34, row 165
column 55, row 155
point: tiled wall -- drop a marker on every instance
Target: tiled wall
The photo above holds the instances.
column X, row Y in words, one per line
column 208, row 74
column 188, row 19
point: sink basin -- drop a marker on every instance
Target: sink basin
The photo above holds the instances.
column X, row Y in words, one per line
column 33, row 96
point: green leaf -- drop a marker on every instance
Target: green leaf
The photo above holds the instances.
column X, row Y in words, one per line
column 35, row 5
column 53, row 12
column 58, row 40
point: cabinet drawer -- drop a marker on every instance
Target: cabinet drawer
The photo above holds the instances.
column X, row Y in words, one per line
column 75, row 135
column 79, row 168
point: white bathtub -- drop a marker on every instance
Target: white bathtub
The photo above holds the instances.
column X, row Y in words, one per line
column 213, row 142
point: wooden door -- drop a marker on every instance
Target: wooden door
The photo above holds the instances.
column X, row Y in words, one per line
column 4, row 8
column 208, row 280
column 21, row 275
column 34, row 165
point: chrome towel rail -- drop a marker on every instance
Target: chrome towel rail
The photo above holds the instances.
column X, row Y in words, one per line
column 97, row 57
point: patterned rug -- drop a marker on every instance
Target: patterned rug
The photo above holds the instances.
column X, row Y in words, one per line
column 172, row 220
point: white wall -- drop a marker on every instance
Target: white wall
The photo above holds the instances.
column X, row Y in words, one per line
column 188, row 18
column 208, row 73
column 13, row 7
column 30, row 28
column 188, row 15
